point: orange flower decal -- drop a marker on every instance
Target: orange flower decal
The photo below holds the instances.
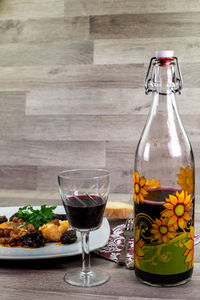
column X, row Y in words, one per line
column 162, row 231
column 189, row 252
column 153, row 183
column 139, row 187
column 138, row 244
column 186, row 179
column 178, row 209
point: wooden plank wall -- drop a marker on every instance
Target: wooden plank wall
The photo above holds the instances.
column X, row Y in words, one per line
column 71, row 84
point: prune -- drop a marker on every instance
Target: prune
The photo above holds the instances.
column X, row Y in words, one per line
column 15, row 215
column 68, row 237
column 61, row 217
column 3, row 219
column 33, row 240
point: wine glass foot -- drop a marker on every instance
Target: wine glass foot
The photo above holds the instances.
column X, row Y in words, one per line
column 89, row 279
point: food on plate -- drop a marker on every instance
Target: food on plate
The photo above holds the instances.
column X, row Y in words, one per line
column 3, row 219
column 68, row 237
column 52, row 231
column 11, row 232
column 33, row 240
column 118, row 209
column 30, row 227
column 61, row 217
column 37, row 217
column 13, row 216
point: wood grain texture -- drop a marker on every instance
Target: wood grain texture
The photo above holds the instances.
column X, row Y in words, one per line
column 32, row 30
column 18, row 177
column 78, row 128
column 27, row 9
column 145, row 25
column 137, row 50
column 87, row 101
column 48, row 153
column 111, row 7
column 71, row 83
column 76, row 52
column 12, row 103
column 77, row 28
column 72, row 76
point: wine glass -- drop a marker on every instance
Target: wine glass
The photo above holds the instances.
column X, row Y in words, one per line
column 84, row 194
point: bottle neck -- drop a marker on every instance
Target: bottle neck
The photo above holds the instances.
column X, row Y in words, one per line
column 164, row 103
column 163, row 77
column 164, row 121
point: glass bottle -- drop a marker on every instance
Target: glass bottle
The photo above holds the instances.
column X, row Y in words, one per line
column 163, row 183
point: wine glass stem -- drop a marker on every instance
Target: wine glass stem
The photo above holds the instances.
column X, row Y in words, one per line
column 85, row 252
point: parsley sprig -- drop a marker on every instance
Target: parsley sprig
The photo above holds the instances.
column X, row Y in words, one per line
column 37, row 217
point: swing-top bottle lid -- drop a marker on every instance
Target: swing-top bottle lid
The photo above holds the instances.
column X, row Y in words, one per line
column 164, row 53
column 163, row 58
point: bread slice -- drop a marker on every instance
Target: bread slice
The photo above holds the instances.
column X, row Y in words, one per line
column 118, row 210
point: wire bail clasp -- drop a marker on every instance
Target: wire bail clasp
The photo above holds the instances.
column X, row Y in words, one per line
column 178, row 76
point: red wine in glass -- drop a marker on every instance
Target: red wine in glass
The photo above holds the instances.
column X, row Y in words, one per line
column 85, row 212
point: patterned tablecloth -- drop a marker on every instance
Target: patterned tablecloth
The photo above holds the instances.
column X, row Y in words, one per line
column 116, row 241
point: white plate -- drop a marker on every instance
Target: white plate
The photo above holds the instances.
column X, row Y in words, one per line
column 98, row 238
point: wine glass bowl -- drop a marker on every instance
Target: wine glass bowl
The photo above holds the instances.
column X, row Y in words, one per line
column 84, row 193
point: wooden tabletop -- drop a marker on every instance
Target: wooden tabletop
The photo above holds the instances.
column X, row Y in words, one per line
column 43, row 279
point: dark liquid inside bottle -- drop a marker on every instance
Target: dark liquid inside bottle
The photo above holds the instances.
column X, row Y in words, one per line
column 153, row 279
column 153, row 206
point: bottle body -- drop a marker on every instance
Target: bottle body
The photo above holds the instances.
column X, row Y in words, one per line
column 163, row 186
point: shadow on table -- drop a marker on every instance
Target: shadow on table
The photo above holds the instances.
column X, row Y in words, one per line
column 42, row 264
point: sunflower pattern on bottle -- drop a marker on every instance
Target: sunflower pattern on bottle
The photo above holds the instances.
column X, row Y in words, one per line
column 164, row 230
